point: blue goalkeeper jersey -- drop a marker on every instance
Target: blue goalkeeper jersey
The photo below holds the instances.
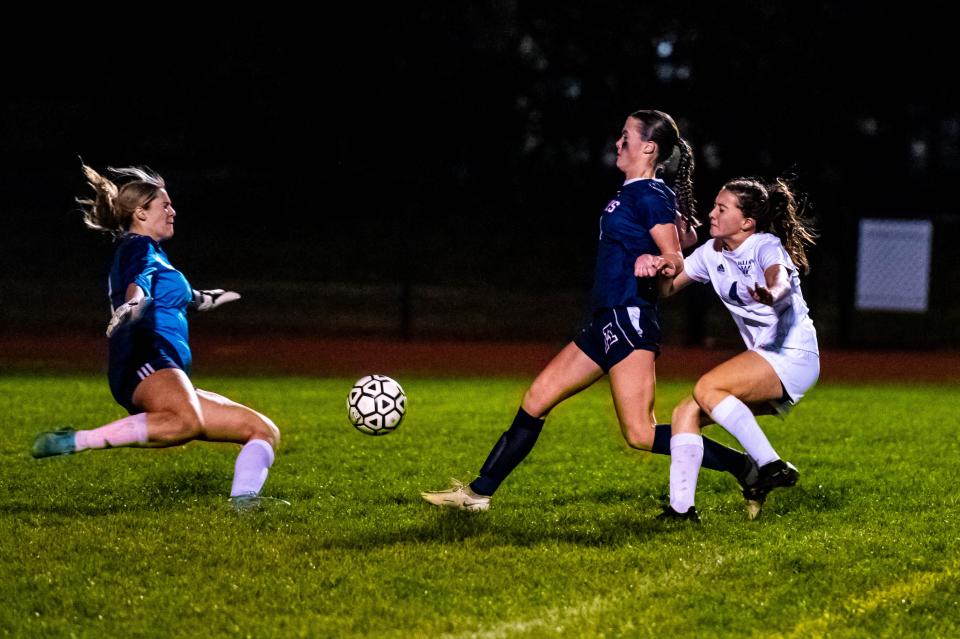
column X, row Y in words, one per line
column 624, row 236
column 163, row 326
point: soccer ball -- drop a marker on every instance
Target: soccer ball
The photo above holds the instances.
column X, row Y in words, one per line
column 376, row 405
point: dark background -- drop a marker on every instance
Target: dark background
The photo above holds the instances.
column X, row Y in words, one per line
column 438, row 170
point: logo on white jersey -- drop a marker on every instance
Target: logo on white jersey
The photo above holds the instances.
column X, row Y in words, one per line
column 745, row 266
column 720, row 269
column 609, row 337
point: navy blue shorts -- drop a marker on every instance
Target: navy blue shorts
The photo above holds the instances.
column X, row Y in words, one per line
column 126, row 375
column 614, row 333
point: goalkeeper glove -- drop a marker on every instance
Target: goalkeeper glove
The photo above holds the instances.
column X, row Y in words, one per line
column 209, row 300
column 127, row 312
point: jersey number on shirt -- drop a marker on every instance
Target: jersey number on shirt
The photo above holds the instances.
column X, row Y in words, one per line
column 734, row 298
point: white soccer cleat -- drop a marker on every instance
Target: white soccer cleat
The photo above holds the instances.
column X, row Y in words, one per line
column 458, row 496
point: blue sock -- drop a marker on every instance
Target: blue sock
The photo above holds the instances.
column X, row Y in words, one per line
column 661, row 439
column 716, row 456
column 511, row 449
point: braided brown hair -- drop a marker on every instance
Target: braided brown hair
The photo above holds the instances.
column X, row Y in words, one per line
column 659, row 127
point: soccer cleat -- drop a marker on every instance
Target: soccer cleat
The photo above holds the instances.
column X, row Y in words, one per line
column 776, row 474
column 51, row 443
column 669, row 514
column 246, row 502
column 750, row 473
column 747, row 480
column 754, row 507
column 458, row 496
column 249, row 502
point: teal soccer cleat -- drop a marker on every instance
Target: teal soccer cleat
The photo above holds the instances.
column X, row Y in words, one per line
column 52, row 443
column 249, row 502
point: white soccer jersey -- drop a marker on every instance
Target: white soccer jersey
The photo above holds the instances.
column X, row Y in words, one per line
column 731, row 272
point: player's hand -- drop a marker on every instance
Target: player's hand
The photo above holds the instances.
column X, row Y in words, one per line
column 761, row 294
column 652, row 265
column 126, row 313
column 648, row 265
column 668, row 269
column 209, row 300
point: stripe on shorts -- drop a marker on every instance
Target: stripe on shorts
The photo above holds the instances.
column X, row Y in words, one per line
column 625, row 336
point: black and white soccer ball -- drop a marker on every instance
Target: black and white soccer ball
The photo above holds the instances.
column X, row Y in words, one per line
column 376, row 405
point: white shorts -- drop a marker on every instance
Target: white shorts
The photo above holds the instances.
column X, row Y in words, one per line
column 798, row 371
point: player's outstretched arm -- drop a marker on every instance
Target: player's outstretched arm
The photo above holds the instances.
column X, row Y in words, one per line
column 667, row 240
column 777, row 287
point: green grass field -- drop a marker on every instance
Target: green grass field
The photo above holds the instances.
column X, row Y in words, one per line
column 133, row 543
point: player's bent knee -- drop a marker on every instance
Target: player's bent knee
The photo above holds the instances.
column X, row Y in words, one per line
column 640, row 436
column 265, row 429
column 189, row 426
column 704, row 391
column 684, row 409
column 534, row 402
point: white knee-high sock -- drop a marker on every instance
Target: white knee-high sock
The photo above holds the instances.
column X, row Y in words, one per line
column 686, row 454
column 736, row 419
column 253, row 464
column 129, row 431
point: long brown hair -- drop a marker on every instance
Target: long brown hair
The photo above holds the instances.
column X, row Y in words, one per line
column 111, row 210
column 659, row 127
column 778, row 210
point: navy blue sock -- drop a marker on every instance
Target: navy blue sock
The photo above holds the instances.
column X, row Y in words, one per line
column 716, row 456
column 511, row 449
column 661, row 439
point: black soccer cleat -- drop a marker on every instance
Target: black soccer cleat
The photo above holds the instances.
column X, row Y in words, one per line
column 776, row 474
column 749, row 475
column 747, row 480
column 669, row 514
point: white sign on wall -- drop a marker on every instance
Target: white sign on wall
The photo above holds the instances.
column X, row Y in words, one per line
column 893, row 265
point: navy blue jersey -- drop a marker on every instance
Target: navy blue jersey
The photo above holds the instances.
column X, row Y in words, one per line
column 163, row 326
column 624, row 236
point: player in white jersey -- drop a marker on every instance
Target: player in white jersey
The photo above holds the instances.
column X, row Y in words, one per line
column 753, row 259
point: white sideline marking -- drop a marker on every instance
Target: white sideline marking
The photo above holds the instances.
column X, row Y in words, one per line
column 847, row 613
column 551, row 617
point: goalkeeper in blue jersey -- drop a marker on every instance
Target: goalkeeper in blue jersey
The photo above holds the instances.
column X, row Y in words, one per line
column 149, row 342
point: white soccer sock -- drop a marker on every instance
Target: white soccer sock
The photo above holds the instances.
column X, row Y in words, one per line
column 129, row 431
column 253, row 462
column 736, row 419
column 686, row 455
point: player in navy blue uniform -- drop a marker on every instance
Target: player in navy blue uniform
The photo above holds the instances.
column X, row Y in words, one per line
column 149, row 343
column 623, row 338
